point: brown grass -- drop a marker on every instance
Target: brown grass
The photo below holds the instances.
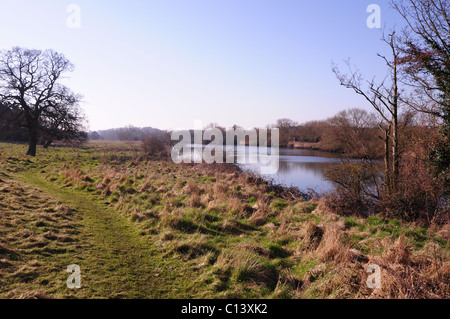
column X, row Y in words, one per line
column 245, row 237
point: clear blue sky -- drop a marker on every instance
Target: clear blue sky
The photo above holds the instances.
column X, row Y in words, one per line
column 167, row 63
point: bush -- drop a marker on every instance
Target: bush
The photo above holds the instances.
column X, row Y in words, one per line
column 155, row 145
column 419, row 195
column 357, row 188
column 360, row 191
column 346, row 203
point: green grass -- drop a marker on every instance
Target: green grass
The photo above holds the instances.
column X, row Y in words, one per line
column 119, row 263
column 153, row 229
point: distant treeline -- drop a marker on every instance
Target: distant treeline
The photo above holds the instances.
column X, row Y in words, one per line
column 9, row 128
column 129, row 133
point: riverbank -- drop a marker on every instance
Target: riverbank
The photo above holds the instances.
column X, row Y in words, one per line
column 193, row 231
column 319, row 146
column 306, row 146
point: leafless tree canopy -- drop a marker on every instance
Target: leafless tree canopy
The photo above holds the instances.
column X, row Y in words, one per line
column 354, row 132
column 30, row 83
column 384, row 96
column 426, row 53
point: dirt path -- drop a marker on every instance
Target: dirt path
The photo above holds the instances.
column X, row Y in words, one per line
column 114, row 259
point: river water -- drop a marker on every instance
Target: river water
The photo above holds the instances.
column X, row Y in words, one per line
column 303, row 169
column 300, row 168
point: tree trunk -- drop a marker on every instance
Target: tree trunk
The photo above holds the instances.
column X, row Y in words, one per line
column 33, row 132
column 47, row 143
column 395, row 155
column 387, row 171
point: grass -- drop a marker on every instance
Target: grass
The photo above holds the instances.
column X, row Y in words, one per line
column 114, row 258
column 143, row 228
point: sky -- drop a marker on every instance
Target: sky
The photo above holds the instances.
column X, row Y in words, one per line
column 169, row 63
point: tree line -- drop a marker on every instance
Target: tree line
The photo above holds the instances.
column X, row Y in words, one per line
column 128, row 133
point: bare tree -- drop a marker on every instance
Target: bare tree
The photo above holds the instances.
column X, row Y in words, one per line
column 425, row 47
column 285, row 123
column 426, row 53
column 30, row 82
column 384, row 98
column 63, row 124
column 352, row 131
column 285, row 126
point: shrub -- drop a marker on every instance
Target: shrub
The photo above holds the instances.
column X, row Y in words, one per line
column 155, row 145
column 356, row 190
column 419, row 195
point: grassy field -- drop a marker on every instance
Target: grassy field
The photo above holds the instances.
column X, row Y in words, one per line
column 148, row 228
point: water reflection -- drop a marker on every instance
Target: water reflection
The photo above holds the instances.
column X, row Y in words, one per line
column 302, row 169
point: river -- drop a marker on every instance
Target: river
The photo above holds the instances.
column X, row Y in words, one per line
column 300, row 168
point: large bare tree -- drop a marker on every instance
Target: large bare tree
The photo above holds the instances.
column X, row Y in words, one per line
column 30, row 82
column 384, row 96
